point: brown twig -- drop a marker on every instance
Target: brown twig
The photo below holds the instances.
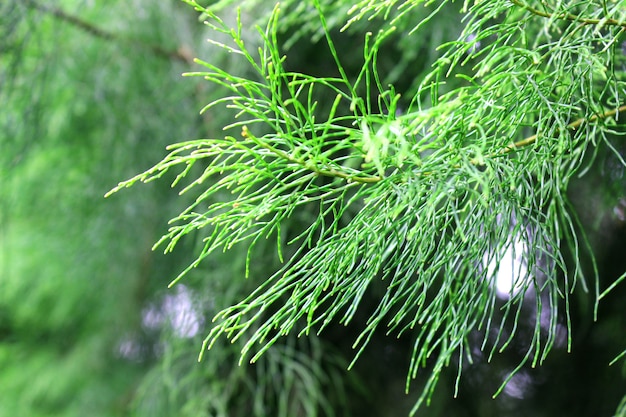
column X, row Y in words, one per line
column 569, row 16
column 573, row 126
column 179, row 55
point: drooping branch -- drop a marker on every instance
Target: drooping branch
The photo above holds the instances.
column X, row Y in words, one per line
column 180, row 54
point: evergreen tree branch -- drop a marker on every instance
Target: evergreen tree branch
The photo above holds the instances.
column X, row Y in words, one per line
column 414, row 213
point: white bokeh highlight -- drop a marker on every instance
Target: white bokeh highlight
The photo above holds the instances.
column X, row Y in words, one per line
column 509, row 269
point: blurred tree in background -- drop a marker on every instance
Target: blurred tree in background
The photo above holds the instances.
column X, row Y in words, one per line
column 84, row 101
column 93, row 94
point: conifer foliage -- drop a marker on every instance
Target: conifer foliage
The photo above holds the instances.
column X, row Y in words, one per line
column 424, row 189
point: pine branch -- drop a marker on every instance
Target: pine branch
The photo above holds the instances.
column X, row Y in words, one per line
column 423, row 201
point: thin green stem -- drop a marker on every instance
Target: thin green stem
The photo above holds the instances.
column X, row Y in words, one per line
column 312, row 167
